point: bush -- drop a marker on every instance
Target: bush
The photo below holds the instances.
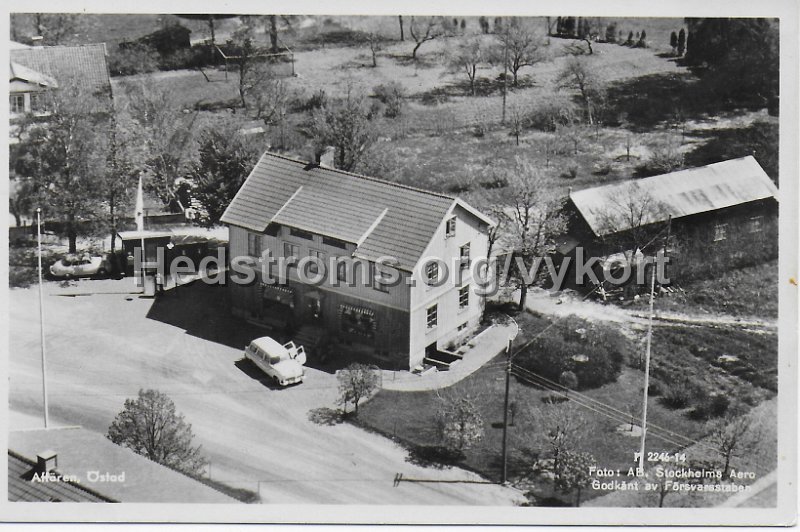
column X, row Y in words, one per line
column 392, row 95
column 551, row 112
column 594, row 353
column 572, row 171
column 655, row 389
column 186, row 58
column 678, row 395
column 663, row 159
column 133, row 60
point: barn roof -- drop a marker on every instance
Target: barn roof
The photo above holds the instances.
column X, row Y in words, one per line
column 381, row 218
column 87, row 63
column 677, row 194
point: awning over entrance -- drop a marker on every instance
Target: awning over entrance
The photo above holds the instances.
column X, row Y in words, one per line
column 347, row 309
column 279, row 293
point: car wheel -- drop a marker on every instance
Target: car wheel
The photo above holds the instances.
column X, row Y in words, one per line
column 102, row 272
column 276, row 380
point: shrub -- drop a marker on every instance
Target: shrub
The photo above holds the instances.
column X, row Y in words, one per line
column 572, row 171
column 551, row 112
column 392, row 95
column 186, row 58
column 132, row 60
column 664, row 158
column 604, row 349
column 678, row 395
column 568, row 380
column 655, row 389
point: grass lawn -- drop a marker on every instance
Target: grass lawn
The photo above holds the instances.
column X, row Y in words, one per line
column 734, row 362
column 411, row 418
column 744, row 292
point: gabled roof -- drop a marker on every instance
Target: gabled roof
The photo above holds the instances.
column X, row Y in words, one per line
column 17, row 71
column 87, row 63
column 22, row 489
column 677, row 194
column 380, row 217
column 81, row 451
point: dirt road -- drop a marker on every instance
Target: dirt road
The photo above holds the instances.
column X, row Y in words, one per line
column 103, row 348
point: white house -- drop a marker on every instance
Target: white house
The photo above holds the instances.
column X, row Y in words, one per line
column 290, row 208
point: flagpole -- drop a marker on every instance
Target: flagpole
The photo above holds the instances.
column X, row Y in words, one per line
column 41, row 318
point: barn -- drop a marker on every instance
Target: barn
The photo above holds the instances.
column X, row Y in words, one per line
column 708, row 219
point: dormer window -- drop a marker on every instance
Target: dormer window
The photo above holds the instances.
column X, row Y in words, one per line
column 451, row 227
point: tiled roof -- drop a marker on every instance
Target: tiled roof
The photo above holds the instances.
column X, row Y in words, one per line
column 342, row 205
column 86, row 62
column 683, row 193
column 81, row 451
column 17, row 71
column 21, row 488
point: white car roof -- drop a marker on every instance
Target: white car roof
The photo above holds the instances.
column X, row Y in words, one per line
column 270, row 346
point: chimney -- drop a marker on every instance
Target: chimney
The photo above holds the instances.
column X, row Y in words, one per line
column 37, row 40
column 46, row 461
column 326, row 158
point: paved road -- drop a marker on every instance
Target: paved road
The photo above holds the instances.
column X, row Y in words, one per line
column 103, row 348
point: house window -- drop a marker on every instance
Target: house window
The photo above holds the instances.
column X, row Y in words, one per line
column 341, row 271
column 290, row 250
column 38, row 103
column 273, row 230
column 451, row 227
column 254, row 244
column 358, row 320
column 301, row 234
column 382, row 281
column 335, row 242
column 720, row 232
column 465, row 256
column 433, row 316
column 17, row 102
column 313, row 267
column 755, row 224
column 463, row 297
column 462, row 326
column 432, row 272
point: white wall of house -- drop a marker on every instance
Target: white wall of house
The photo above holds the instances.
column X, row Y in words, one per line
column 450, row 315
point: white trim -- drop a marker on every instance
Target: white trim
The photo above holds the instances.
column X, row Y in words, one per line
column 271, row 220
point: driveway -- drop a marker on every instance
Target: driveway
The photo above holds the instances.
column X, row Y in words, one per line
column 102, row 347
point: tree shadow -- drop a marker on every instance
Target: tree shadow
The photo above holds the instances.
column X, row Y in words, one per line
column 326, row 416
column 759, row 139
column 646, row 101
column 435, row 456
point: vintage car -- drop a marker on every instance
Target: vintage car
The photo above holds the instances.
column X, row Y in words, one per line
column 74, row 266
column 282, row 363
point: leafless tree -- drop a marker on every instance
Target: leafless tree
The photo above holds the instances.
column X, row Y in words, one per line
column 423, row 32
column 459, row 421
column 534, row 218
column 375, row 42
column 578, row 74
column 521, row 45
column 562, row 427
column 465, row 58
column 632, row 219
column 734, row 435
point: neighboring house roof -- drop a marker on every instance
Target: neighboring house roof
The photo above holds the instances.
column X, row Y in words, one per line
column 381, row 218
column 21, row 488
column 86, row 62
column 14, row 45
column 677, row 194
column 20, row 72
column 81, row 451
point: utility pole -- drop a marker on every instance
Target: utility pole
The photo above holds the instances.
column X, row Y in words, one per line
column 41, row 317
column 647, row 369
column 504, row 476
